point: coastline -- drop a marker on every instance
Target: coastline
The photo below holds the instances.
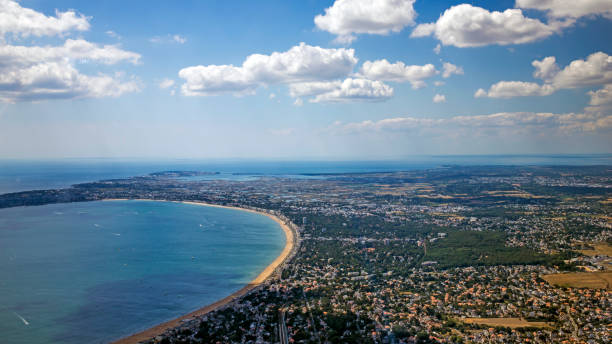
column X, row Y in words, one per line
column 262, row 277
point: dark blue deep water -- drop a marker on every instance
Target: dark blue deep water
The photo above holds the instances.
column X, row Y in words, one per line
column 97, row 271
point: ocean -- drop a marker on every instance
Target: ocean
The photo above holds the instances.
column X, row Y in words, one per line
column 97, row 271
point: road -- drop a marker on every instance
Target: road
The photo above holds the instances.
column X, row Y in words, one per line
column 282, row 327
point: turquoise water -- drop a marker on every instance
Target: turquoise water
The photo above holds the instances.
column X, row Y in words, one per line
column 97, row 271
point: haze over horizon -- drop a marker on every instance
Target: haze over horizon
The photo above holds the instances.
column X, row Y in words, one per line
column 304, row 80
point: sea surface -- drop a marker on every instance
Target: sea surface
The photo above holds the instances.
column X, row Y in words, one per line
column 97, row 271
column 22, row 175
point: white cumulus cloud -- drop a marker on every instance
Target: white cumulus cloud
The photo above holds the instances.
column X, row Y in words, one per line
column 545, row 69
column 24, row 22
column 510, row 89
column 439, row 98
column 348, row 90
column 59, row 80
column 301, row 63
column 399, row 72
column 480, row 93
column 356, row 90
column 345, row 18
column 450, row 69
column 75, row 50
column 308, row 89
column 595, row 70
column 214, row 80
column 469, row 26
column 601, row 100
column 35, row 73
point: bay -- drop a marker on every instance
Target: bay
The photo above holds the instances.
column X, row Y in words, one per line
column 97, row 271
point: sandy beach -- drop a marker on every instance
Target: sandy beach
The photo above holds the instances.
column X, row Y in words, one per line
column 265, row 274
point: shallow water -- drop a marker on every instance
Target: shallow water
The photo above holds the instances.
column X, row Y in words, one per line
column 97, row 271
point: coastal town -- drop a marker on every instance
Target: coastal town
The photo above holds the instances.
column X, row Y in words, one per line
column 447, row 255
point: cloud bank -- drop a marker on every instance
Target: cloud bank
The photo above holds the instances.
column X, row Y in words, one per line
column 498, row 123
column 35, row 73
column 595, row 70
column 323, row 75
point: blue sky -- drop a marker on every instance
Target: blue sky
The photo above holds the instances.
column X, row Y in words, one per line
column 83, row 78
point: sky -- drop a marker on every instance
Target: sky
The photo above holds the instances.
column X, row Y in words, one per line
column 344, row 79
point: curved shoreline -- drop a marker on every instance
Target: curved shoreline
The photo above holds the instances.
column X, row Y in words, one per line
column 262, row 277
